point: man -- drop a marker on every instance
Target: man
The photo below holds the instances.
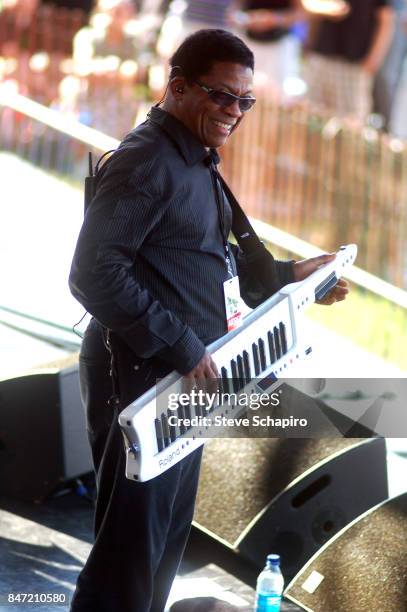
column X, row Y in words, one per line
column 347, row 47
column 195, row 15
column 388, row 77
column 150, row 264
column 272, row 28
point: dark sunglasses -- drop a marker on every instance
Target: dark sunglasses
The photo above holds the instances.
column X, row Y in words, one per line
column 225, row 99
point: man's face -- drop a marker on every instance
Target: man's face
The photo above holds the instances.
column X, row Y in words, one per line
column 208, row 121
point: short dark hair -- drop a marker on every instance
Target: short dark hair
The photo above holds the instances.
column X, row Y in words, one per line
column 199, row 51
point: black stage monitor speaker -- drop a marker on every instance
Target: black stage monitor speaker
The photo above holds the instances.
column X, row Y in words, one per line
column 363, row 568
column 287, row 496
column 43, row 438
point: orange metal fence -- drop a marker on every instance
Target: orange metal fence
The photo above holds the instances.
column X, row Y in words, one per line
column 44, row 28
column 326, row 181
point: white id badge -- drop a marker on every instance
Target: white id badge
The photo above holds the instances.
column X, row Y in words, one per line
column 233, row 303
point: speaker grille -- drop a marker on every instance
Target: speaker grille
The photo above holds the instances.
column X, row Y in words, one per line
column 363, row 568
column 239, row 478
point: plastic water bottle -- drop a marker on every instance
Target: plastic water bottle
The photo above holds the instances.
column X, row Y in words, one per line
column 270, row 585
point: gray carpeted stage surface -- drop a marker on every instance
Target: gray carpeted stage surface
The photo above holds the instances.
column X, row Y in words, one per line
column 371, row 555
column 43, row 547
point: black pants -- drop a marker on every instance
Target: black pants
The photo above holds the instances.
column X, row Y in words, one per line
column 141, row 528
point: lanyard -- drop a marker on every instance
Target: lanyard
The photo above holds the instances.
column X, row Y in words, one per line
column 260, row 262
column 220, row 204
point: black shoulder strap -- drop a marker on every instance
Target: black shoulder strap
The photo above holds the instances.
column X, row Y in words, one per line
column 260, row 261
column 242, row 229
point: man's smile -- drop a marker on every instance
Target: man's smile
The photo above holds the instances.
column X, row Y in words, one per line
column 225, row 127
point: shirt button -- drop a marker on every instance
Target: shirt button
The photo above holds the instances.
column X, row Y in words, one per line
column 136, row 367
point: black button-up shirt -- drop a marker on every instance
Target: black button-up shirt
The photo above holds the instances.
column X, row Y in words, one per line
column 150, row 259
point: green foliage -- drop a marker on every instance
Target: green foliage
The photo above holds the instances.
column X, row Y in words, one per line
column 369, row 321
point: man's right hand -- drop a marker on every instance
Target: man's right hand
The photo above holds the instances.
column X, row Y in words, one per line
column 203, row 377
column 205, row 368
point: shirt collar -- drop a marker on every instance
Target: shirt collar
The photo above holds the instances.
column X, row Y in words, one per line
column 189, row 146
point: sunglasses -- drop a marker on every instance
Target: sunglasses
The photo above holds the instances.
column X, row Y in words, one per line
column 225, row 99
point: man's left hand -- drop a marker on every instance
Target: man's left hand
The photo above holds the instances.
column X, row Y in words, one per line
column 302, row 269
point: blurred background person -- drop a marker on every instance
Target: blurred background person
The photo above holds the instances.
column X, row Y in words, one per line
column 185, row 18
column 201, row 15
column 388, row 77
column 274, row 30
column 346, row 47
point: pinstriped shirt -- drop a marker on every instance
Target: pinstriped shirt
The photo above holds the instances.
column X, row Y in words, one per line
column 150, row 260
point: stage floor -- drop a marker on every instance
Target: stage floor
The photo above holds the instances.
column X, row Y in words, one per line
column 44, row 546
